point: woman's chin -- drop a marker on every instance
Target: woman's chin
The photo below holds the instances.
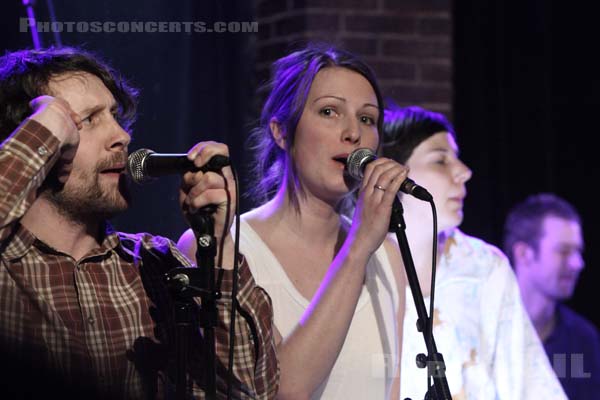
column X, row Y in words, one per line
column 451, row 221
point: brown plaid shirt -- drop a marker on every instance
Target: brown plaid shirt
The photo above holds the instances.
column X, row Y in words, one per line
column 106, row 322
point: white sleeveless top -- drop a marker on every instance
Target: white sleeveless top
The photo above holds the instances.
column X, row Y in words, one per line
column 367, row 362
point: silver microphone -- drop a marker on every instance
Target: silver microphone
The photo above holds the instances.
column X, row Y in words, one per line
column 144, row 165
column 358, row 160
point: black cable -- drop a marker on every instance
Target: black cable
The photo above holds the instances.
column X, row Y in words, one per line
column 433, row 271
column 234, row 288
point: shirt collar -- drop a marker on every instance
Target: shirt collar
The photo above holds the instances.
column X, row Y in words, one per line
column 20, row 240
column 17, row 243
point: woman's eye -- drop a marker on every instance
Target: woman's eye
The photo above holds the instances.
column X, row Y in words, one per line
column 367, row 120
column 328, row 112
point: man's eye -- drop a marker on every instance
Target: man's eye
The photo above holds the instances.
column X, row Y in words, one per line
column 86, row 121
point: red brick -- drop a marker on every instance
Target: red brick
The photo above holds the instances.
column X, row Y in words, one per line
column 359, row 46
column 380, row 24
column 267, row 8
column 337, row 4
column 435, row 72
column 324, row 37
column 394, row 70
column 417, row 5
column 420, row 94
column 287, row 25
column 407, row 42
column 444, row 108
column 323, row 22
column 417, row 48
column 435, row 26
column 306, row 23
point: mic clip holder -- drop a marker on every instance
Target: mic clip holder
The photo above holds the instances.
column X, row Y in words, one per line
column 185, row 284
column 434, row 361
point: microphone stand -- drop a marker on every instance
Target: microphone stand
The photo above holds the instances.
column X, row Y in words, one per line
column 434, row 361
column 196, row 282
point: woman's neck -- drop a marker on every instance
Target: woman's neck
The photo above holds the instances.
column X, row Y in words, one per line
column 311, row 220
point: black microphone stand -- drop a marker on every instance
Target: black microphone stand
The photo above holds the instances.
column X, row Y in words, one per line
column 434, row 361
column 196, row 282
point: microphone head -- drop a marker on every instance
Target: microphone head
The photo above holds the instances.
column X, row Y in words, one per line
column 136, row 166
column 356, row 161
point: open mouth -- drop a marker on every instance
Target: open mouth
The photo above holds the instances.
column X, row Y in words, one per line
column 340, row 159
column 115, row 170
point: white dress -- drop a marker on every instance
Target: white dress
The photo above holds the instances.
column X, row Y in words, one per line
column 490, row 348
column 365, row 366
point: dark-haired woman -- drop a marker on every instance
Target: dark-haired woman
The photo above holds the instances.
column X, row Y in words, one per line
column 336, row 284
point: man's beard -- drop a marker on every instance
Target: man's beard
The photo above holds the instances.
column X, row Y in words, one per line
column 86, row 199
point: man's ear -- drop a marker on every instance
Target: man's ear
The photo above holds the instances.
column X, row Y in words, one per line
column 523, row 254
column 278, row 133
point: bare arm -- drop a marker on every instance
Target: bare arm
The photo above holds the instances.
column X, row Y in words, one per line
column 308, row 354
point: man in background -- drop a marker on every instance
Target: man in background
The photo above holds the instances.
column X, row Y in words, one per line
column 544, row 242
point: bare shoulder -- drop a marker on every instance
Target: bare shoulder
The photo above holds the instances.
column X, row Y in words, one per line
column 260, row 219
column 187, row 244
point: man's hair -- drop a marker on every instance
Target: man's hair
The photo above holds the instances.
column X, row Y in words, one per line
column 405, row 128
column 524, row 221
column 291, row 80
column 25, row 75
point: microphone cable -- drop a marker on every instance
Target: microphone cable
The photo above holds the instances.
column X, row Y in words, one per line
column 234, row 287
column 433, row 272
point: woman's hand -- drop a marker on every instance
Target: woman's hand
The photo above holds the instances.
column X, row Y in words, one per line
column 378, row 189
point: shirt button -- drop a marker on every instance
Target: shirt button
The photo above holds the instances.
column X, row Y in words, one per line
column 91, row 320
column 42, row 151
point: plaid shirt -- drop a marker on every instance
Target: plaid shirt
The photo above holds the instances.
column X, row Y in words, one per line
column 107, row 319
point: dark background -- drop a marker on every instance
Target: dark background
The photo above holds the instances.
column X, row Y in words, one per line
column 526, row 111
column 525, row 101
column 194, row 87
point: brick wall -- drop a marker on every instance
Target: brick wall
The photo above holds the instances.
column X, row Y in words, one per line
column 407, row 42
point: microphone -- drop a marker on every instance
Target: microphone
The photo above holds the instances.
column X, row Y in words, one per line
column 144, row 165
column 358, row 160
